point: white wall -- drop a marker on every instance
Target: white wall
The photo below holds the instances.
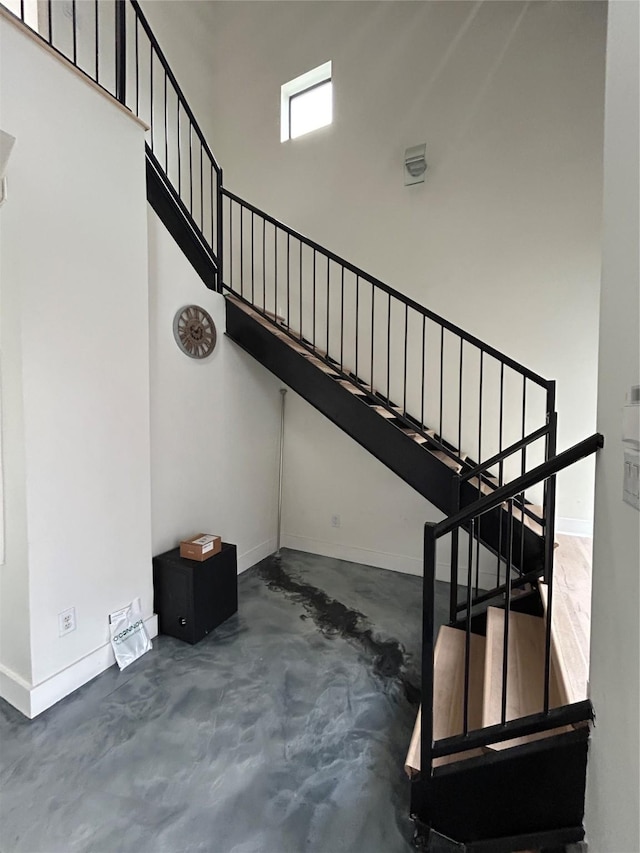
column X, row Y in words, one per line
column 503, row 238
column 613, row 794
column 75, row 374
column 215, row 423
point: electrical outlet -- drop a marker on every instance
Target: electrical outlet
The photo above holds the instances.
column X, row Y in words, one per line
column 335, row 521
column 66, row 621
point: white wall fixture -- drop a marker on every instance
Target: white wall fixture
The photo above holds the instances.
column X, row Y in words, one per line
column 6, row 145
column 415, row 164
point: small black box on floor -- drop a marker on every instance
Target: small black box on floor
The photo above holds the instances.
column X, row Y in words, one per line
column 191, row 599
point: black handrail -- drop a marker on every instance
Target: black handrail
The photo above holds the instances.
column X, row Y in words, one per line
column 515, row 487
column 504, row 454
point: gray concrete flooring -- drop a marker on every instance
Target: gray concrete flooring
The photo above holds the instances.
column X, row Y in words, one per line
column 284, row 731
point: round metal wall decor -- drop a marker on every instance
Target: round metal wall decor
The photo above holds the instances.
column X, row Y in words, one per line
column 194, row 331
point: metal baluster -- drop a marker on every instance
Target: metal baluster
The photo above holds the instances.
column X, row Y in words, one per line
column 428, row 630
column 523, row 469
column 151, row 93
column 373, row 314
column 313, row 342
column 441, row 377
column 231, row 244
column 480, row 417
column 300, row 304
column 404, row 380
column 211, row 197
column 202, row 191
column 275, row 271
column 357, row 321
column 388, row 349
column 467, row 639
column 479, row 461
column 328, row 306
column 121, row 50
column 288, row 278
column 264, row 264
column 507, row 612
column 179, row 130
column 74, row 24
column 342, row 320
column 190, row 168
column 424, row 344
column 549, row 582
column 166, row 127
column 455, row 550
column 500, row 469
column 50, row 11
column 22, row 10
column 241, row 251
column 219, row 227
column 460, row 374
column 97, row 34
column 253, row 298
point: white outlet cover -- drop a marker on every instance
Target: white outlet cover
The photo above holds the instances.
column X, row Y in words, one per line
column 66, row 621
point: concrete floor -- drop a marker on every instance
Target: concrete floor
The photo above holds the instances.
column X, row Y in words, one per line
column 283, row 731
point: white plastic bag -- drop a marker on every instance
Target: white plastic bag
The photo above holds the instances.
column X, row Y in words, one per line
column 129, row 636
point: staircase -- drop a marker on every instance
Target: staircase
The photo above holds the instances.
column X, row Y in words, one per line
column 498, row 755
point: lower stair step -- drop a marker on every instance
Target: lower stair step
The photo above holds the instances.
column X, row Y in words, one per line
column 525, row 672
column 448, row 694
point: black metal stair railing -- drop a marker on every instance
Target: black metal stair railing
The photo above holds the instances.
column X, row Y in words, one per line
column 111, row 42
column 461, row 395
column 548, row 718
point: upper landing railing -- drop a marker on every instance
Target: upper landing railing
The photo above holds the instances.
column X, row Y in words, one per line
column 112, row 43
column 463, row 395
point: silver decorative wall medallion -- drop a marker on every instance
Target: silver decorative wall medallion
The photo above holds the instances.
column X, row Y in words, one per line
column 194, row 331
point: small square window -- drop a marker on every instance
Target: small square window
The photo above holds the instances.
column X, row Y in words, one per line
column 306, row 103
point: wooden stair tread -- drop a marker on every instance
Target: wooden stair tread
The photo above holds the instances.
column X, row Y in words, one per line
column 419, row 439
column 349, row 386
column 571, row 668
column 448, row 694
column 525, row 672
column 325, row 368
column 448, row 461
column 385, row 413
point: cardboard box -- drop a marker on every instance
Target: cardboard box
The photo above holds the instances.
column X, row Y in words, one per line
column 201, row 547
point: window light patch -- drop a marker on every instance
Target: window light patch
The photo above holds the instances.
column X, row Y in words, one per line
column 306, row 103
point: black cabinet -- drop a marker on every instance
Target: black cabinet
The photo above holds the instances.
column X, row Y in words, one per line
column 191, row 598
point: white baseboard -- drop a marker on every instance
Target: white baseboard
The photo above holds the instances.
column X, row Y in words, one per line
column 575, row 527
column 254, row 555
column 401, row 563
column 32, row 700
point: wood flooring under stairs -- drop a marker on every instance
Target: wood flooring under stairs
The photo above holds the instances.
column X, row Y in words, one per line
column 569, row 661
column 276, row 326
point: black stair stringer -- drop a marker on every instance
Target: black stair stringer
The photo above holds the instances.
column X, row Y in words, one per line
column 401, row 454
column 164, row 200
